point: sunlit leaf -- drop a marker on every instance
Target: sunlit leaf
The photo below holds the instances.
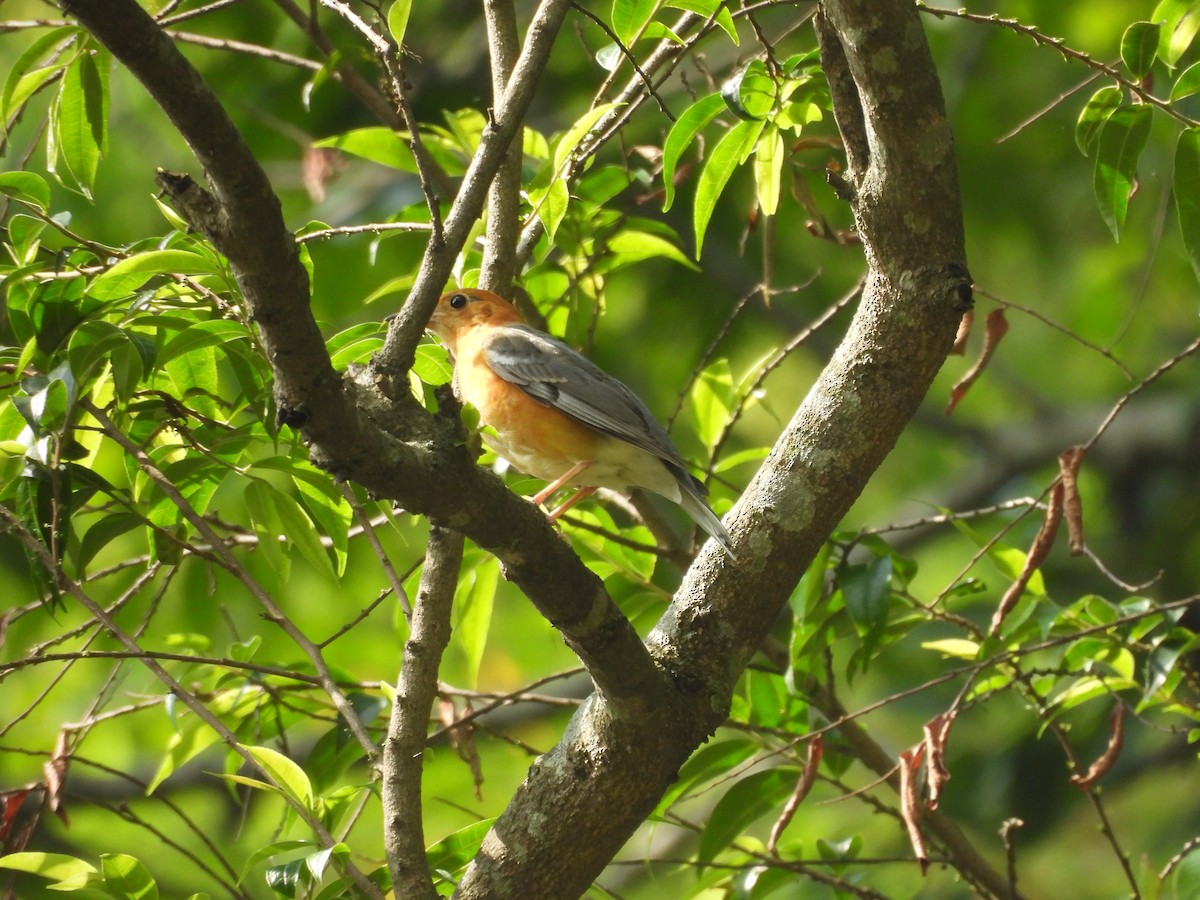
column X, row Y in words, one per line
column 397, row 19
column 125, row 277
column 957, row 648
column 629, row 17
column 127, row 878
column 285, row 773
column 725, row 158
column 711, row 401
column 1121, row 141
column 1095, row 113
column 473, row 604
column 1139, row 46
column 1187, row 84
column 82, row 117
column 689, row 124
column 26, row 186
column 1186, row 187
column 68, row 873
column 708, row 8
column 38, row 63
column 378, row 144
column 768, row 170
column 750, row 92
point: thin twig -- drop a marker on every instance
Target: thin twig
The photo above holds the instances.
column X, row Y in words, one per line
column 222, row 552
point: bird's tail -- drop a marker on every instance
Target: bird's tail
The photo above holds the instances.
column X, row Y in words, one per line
column 694, row 505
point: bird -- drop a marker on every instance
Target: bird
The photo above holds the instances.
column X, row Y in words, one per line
column 558, row 416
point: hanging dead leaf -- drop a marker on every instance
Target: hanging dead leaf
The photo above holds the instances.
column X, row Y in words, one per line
column 997, row 327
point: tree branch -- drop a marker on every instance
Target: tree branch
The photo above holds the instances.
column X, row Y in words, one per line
column 607, row 773
column 365, row 426
column 504, row 127
column 416, row 689
column 504, row 198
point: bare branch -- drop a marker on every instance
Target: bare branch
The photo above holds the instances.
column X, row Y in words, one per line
column 404, row 747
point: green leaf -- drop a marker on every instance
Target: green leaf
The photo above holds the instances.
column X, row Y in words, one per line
column 1185, row 879
column 473, row 605
column 748, row 800
column 629, row 17
column 1121, row 141
column 26, row 186
column 25, row 77
column 355, row 344
column 210, row 333
column 378, row 144
column 302, row 534
column 725, row 158
column 683, row 132
column 567, row 144
column 768, row 170
column 867, row 589
column 1139, row 46
column 711, row 401
column 1095, row 113
column 127, row 276
column 706, row 764
column 630, row 246
column 432, row 364
column 285, row 773
column 126, row 878
column 68, row 873
column 91, row 345
column 958, row 648
column 750, row 92
column 550, row 203
column 397, row 20
column 1186, row 186
column 707, row 8
column 1180, row 22
column 259, row 498
column 1187, row 84
column 103, row 533
column 82, row 119
column 455, row 850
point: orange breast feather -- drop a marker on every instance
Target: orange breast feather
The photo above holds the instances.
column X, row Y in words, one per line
column 537, row 439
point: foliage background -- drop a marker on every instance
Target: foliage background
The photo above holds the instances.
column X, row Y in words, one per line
column 1035, row 239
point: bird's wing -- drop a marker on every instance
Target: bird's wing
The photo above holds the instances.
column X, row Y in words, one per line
column 555, row 374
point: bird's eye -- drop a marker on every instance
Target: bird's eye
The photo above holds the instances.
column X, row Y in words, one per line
column 458, row 301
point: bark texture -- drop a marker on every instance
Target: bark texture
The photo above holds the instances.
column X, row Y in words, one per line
column 655, row 701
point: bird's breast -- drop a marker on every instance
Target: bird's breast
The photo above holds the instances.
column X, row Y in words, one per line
column 536, row 438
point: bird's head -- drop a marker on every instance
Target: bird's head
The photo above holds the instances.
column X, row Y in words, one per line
column 466, row 308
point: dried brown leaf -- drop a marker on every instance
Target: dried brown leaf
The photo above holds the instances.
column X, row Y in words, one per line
column 1108, row 758
column 964, row 332
column 997, row 327
column 937, row 732
column 1068, row 463
column 1037, row 555
column 816, row 750
column 910, row 806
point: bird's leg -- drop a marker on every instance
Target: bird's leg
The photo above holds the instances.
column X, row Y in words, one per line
column 575, row 498
column 544, row 493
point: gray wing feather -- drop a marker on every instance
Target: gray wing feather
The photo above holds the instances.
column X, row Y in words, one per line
column 559, row 376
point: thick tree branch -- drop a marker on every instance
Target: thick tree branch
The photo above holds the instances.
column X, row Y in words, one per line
column 605, row 774
column 364, row 426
